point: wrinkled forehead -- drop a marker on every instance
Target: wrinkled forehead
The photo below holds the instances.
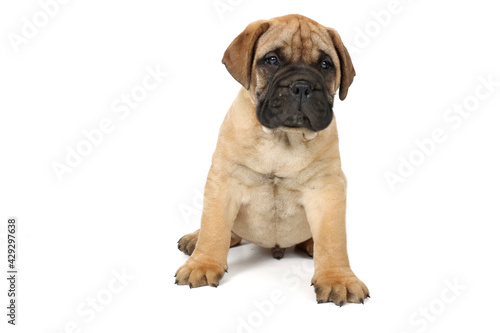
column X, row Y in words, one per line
column 298, row 40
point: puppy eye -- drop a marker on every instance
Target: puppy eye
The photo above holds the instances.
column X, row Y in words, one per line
column 325, row 64
column 273, row 60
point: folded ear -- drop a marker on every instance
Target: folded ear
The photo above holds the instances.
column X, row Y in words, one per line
column 238, row 57
column 347, row 71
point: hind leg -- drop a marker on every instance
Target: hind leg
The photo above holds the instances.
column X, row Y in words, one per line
column 307, row 247
column 187, row 243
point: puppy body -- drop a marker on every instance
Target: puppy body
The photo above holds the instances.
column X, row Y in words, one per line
column 276, row 177
column 272, row 173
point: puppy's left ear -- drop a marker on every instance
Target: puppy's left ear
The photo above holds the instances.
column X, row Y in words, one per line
column 238, row 57
column 347, row 71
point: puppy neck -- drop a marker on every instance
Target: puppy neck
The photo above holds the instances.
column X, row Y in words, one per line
column 307, row 134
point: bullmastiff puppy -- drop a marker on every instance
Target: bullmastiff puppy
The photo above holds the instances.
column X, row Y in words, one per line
column 275, row 178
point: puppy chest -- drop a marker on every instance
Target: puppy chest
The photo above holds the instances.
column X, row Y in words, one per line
column 272, row 214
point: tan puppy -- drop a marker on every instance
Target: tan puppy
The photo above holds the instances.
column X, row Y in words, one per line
column 275, row 178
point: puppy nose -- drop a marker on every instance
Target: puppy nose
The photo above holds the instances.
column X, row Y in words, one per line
column 300, row 89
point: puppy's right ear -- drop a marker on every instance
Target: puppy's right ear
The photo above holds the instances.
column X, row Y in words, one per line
column 238, row 57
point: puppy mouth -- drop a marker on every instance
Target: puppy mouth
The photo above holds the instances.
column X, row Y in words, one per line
column 297, row 120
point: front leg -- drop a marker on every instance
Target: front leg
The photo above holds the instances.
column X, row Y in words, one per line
column 333, row 278
column 208, row 261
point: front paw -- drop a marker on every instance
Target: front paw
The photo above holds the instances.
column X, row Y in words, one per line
column 197, row 273
column 339, row 286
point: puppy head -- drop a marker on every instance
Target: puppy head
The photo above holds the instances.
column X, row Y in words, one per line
column 292, row 67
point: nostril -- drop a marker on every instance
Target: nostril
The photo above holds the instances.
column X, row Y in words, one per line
column 301, row 88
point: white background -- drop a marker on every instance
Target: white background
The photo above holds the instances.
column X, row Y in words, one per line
column 129, row 201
